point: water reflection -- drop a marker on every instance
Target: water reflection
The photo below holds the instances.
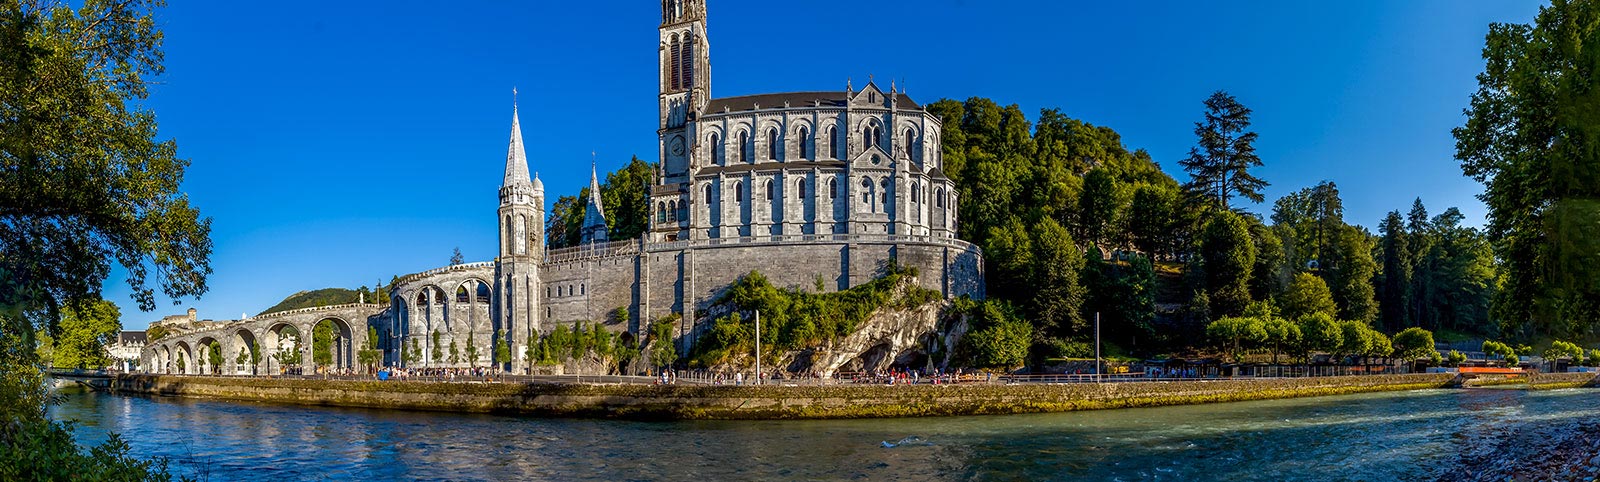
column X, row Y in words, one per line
column 1372, row 437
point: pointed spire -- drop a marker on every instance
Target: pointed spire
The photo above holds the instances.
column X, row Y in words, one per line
column 594, row 217
column 516, row 156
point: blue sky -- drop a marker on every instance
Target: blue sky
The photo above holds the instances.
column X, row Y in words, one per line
column 340, row 143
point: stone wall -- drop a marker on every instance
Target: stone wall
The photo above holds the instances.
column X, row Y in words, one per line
column 760, row 402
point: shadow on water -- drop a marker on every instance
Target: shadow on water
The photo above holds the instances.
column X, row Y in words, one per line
column 1372, row 436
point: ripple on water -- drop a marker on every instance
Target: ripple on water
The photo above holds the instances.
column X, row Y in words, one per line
column 1372, row 436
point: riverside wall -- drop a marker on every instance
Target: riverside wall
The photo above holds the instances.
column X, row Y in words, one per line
column 690, row 402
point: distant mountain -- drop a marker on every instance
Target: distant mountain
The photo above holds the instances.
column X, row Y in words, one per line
column 322, row 297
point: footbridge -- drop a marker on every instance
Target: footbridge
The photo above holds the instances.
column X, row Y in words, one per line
column 271, row 343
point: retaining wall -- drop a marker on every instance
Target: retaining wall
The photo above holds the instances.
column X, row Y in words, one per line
column 765, row 402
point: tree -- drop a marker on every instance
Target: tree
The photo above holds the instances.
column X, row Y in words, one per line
column 1219, row 164
column 1152, row 215
column 1456, row 358
column 1320, row 333
column 999, row 338
column 1355, row 339
column 244, row 356
column 472, row 350
column 1227, row 257
column 1235, row 335
column 1057, row 294
column 1414, row 343
column 502, row 350
column 322, row 343
column 83, row 179
column 1098, row 208
column 1529, row 138
column 213, row 352
column 255, row 355
column 438, row 348
column 663, row 353
column 369, row 356
column 1280, row 333
column 1349, row 271
column 1395, row 295
column 86, row 327
column 1307, row 295
column 1272, row 272
column 455, row 355
column 455, row 257
column 1593, row 359
column 1561, row 349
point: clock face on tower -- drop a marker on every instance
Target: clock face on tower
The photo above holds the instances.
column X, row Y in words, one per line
column 676, row 146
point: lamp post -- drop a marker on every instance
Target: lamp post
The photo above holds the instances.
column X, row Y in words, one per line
column 1099, row 375
column 758, row 347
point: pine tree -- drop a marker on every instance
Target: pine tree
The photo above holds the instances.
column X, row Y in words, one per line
column 1220, row 162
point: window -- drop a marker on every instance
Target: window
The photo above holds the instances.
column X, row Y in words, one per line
column 687, row 61
column 800, row 189
column 547, row 291
column 772, row 144
column 871, row 135
column 916, row 194
column 744, row 147
column 673, row 52
column 672, row 211
column 769, row 189
column 938, row 198
column 716, row 149
column 910, row 138
column 708, row 194
column 661, row 212
column 833, row 188
column 461, row 294
column 583, row 289
column 738, row 192
column 804, row 134
column 885, row 193
column 483, row 292
column 866, row 190
column 833, row 142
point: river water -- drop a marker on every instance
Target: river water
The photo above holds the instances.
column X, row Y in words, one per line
column 1385, row 436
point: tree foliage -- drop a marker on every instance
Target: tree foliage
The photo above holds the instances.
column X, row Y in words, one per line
column 622, row 194
column 1531, row 138
column 1414, row 343
column 1227, row 257
column 86, row 327
column 1219, row 163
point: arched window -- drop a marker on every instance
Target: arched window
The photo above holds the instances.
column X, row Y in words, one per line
column 547, row 291
column 687, row 61
column 738, row 192
column 672, row 211
column 938, row 198
column 744, row 146
column 769, row 189
column 716, row 149
column 833, row 142
column 885, row 193
column 772, row 144
column 483, row 292
column 583, row 289
column 422, row 299
column 866, row 190
column 804, row 135
column 673, row 51
column 661, row 212
column 800, row 189
column 833, row 188
column 916, row 194
column 708, row 193
column 461, row 294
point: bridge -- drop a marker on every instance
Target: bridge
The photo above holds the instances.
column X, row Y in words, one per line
column 93, row 379
column 258, row 346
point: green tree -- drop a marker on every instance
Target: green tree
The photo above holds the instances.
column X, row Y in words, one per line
column 1395, row 291
column 1562, row 349
column 214, row 357
column 438, row 348
column 471, row 350
column 369, row 356
column 1219, row 164
column 502, row 350
column 456, row 258
column 1307, row 295
column 1099, row 204
column 1227, row 257
column 85, row 328
column 1280, row 333
column 999, row 339
column 322, row 343
column 663, row 353
column 1529, row 138
column 1316, row 214
column 1349, row 271
column 255, row 355
column 1236, row 335
column 244, row 356
column 1593, row 359
column 1272, row 272
column 455, row 355
column 1413, row 343
column 1456, row 358
column 1152, row 216
column 1355, row 339
column 1320, row 333
column 1057, row 296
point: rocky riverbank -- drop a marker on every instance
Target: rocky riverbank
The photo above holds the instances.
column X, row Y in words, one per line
column 1531, row 451
column 687, row 402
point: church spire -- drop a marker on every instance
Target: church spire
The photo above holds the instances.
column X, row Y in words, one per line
column 594, row 216
column 516, row 157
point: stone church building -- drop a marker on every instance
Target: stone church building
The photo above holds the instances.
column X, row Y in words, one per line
column 803, row 186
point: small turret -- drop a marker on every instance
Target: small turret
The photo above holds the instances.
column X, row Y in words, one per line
column 594, row 217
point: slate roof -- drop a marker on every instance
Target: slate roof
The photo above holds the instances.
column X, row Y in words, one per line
column 795, row 99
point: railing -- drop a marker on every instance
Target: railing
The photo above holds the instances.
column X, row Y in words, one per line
column 456, row 267
column 814, row 238
column 280, row 314
column 592, row 251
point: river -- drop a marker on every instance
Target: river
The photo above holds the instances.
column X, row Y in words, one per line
column 1382, row 436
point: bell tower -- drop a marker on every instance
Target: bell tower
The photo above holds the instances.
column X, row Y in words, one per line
column 685, row 83
column 521, row 220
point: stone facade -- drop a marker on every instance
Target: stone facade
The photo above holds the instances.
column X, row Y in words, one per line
column 817, row 190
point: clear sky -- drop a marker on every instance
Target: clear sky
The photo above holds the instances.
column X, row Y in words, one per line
column 341, row 143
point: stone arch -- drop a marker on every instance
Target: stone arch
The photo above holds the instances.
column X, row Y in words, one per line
column 164, row 358
column 283, row 340
column 183, row 361
column 341, row 348
column 205, row 347
column 244, row 339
